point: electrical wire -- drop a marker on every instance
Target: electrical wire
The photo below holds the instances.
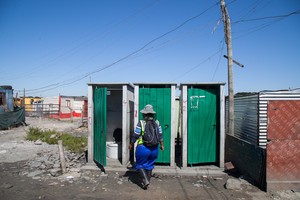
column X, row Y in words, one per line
column 221, row 52
column 90, row 40
column 251, row 9
column 196, row 66
column 255, row 29
column 56, row 85
column 274, row 19
column 124, row 20
column 268, row 17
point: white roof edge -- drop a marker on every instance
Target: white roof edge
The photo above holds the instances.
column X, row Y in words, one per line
column 112, row 83
column 287, row 91
column 203, row 83
column 155, row 83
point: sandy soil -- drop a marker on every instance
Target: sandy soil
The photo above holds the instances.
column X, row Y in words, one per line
column 14, row 147
column 15, row 183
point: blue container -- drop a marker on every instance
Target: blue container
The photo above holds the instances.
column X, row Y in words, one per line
column 6, row 98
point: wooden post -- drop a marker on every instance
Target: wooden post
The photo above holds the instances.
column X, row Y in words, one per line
column 23, row 104
column 227, row 30
column 62, row 157
column 82, row 112
column 16, row 100
column 71, row 114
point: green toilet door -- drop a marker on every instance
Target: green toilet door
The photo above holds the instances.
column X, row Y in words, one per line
column 100, row 125
column 160, row 99
column 202, row 112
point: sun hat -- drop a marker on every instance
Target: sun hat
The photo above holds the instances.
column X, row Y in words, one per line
column 148, row 109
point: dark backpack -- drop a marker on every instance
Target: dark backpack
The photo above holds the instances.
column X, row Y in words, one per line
column 150, row 134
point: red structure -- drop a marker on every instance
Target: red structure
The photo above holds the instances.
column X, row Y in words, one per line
column 72, row 106
column 283, row 148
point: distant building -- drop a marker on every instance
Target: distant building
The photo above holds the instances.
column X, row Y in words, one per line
column 10, row 115
column 28, row 103
column 61, row 107
column 72, row 106
column 6, row 98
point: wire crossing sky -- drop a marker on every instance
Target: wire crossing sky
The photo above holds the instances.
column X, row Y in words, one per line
column 56, row 47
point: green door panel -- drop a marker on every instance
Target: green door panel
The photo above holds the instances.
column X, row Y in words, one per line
column 160, row 99
column 100, row 125
column 202, row 112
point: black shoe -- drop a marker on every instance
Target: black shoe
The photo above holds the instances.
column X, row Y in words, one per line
column 149, row 174
column 145, row 182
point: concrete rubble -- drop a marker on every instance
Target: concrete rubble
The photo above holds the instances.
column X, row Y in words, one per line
column 47, row 164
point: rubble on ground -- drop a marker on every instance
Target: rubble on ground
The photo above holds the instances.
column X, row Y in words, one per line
column 47, row 163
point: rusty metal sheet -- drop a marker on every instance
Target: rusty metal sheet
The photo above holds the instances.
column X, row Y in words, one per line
column 284, row 119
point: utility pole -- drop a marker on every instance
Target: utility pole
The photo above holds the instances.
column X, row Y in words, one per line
column 227, row 32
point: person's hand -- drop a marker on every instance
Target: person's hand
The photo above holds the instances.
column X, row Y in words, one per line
column 162, row 147
column 130, row 146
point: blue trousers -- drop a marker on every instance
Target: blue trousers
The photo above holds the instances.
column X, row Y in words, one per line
column 145, row 157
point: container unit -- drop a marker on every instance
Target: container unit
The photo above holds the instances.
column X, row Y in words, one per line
column 10, row 116
column 162, row 97
column 202, row 123
column 6, row 98
column 110, row 122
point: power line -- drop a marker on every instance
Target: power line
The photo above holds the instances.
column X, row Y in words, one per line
column 274, row 19
column 257, row 28
column 198, row 65
column 113, row 26
column 59, row 84
column 90, row 39
column 249, row 10
column 220, row 56
column 268, row 17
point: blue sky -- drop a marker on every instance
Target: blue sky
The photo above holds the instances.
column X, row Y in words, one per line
column 52, row 47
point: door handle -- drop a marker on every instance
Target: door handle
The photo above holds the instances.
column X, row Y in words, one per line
column 166, row 127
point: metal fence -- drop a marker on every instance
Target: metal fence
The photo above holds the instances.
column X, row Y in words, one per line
column 42, row 110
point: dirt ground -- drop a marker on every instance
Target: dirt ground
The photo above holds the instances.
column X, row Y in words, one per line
column 15, row 182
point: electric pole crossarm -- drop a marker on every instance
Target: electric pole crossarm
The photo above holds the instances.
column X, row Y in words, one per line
column 234, row 61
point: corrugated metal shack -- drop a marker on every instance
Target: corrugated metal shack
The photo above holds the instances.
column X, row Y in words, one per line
column 267, row 132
